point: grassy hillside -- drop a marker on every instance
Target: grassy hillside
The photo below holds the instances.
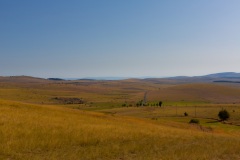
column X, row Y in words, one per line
column 36, row 125
column 51, row 132
column 200, row 93
column 111, row 93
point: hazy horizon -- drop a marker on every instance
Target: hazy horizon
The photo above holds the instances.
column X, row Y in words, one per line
column 138, row 38
column 119, row 77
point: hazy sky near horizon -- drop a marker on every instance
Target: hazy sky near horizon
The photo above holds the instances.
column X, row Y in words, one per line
column 124, row 38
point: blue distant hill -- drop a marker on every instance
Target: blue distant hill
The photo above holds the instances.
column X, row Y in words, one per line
column 56, row 79
column 228, row 75
column 214, row 75
column 224, row 75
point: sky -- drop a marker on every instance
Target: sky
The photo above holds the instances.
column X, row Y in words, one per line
column 119, row 38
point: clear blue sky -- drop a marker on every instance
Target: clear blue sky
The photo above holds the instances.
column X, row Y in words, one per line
column 129, row 38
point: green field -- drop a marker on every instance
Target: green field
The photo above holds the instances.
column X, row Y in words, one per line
column 36, row 125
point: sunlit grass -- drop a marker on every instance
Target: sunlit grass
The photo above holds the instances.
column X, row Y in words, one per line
column 51, row 132
column 34, row 126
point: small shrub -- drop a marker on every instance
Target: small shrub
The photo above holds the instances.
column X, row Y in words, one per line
column 185, row 114
column 194, row 121
column 160, row 104
column 223, row 115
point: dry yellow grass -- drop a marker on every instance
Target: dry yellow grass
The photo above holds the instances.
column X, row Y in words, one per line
column 51, row 132
column 33, row 127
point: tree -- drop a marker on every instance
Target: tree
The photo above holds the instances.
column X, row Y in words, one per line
column 160, row 104
column 223, row 115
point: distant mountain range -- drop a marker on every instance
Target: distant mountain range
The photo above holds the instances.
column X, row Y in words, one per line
column 215, row 75
column 228, row 75
column 224, row 75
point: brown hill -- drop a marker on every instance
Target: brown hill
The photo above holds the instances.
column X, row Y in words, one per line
column 207, row 92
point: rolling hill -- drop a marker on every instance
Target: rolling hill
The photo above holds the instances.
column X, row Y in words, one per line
column 85, row 119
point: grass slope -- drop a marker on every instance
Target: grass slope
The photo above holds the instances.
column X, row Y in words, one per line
column 50, row 132
column 34, row 126
column 200, row 93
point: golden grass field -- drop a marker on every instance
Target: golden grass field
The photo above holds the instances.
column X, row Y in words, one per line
column 35, row 126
